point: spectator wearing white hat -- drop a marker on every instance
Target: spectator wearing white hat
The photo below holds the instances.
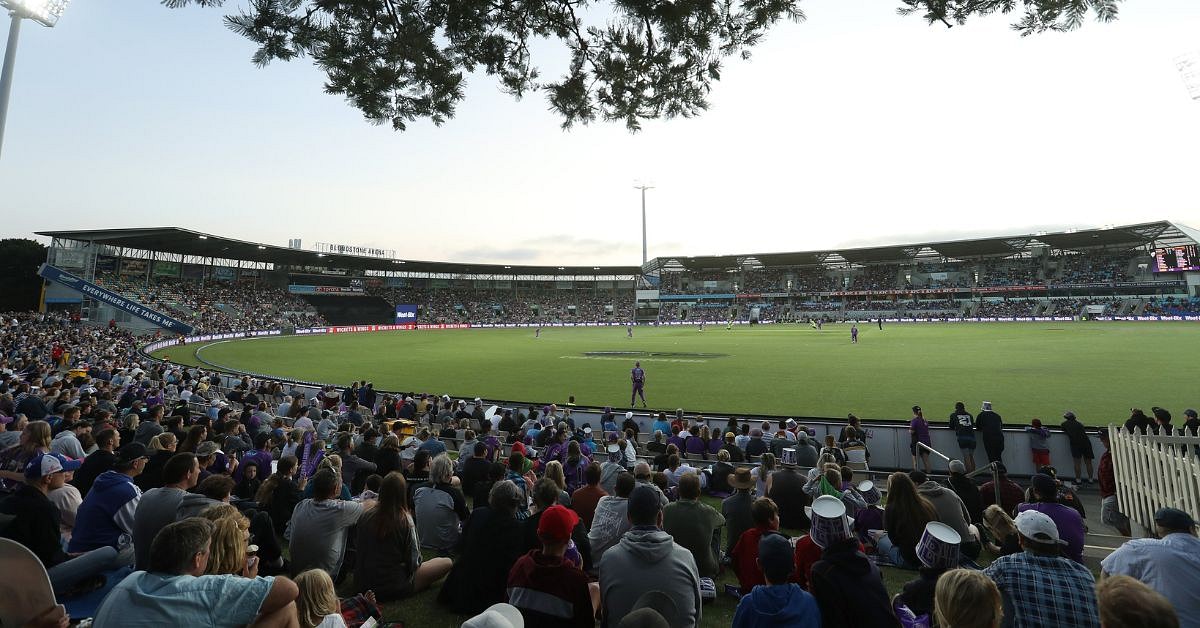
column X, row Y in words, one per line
column 990, row 427
column 1041, row 588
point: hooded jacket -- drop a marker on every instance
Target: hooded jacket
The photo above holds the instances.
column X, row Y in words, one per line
column 849, row 589
column 950, row 508
column 647, row 559
column 106, row 515
column 768, row 606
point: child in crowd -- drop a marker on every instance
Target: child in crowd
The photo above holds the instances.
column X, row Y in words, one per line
column 1038, row 446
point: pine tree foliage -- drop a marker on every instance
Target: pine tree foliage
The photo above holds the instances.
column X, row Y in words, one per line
column 1037, row 16
column 399, row 61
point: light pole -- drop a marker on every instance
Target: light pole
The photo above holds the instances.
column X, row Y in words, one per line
column 44, row 12
column 643, row 187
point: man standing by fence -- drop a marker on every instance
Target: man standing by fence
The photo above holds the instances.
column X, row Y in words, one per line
column 991, row 427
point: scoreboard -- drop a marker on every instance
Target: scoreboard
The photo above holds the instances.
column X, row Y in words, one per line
column 1176, row 259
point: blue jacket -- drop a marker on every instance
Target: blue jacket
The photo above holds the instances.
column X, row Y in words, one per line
column 768, row 606
column 106, row 515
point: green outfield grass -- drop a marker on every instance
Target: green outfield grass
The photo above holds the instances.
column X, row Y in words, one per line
column 1027, row 370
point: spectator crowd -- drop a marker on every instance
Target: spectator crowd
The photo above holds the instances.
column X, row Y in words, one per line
column 186, row 501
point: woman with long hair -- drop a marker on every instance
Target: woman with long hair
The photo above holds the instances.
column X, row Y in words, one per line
column 280, row 493
column 35, row 439
column 554, row 471
column 196, row 434
column 231, row 535
column 762, row 474
column 388, row 555
column 904, row 519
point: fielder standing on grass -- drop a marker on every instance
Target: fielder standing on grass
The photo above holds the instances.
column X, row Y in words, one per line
column 854, row 334
column 638, row 378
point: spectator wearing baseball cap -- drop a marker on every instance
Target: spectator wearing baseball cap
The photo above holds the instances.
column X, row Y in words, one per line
column 548, row 589
column 35, row 524
column 1166, row 564
column 648, row 559
column 1071, row 530
column 778, row 602
column 1043, row 588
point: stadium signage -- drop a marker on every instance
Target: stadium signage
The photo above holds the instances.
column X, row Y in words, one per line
column 406, row 313
column 117, row 301
column 350, row 249
column 343, row 290
column 356, row 328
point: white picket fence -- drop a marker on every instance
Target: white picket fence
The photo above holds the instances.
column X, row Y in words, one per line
column 1153, row 472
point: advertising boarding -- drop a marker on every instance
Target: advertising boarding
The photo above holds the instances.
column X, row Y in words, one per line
column 406, row 314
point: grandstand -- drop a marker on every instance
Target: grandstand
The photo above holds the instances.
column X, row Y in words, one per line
column 218, row 284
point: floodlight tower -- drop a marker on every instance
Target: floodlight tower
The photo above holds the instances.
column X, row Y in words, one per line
column 44, row 12
column 643, row 187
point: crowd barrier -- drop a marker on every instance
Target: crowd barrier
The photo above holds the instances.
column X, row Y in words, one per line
column 1153, row 472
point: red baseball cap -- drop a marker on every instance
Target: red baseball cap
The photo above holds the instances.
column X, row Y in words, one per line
column 556, row 523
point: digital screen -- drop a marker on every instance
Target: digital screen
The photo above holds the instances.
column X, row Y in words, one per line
column 1176, row 259
column 406, row 314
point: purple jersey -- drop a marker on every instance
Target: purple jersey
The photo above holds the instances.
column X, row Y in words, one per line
column 920, row 428
column 638, row 375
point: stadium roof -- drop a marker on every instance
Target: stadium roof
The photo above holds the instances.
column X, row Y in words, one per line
column 1162, row 233
column 178, row 241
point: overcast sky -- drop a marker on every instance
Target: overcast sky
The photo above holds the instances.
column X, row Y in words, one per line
column 854, row 127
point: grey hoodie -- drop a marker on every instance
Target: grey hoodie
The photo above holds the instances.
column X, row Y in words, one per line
column 647, row 559
column 950, row 508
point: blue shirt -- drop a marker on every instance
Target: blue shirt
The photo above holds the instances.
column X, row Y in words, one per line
column 1169, row 565
column 433, row 446
column 768, row 606
column 154, row 600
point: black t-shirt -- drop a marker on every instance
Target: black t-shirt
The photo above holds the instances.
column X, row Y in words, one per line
column 1075, row 433
column 963, row 424
column 475, row 472
column 787, row 491
column 36, row 524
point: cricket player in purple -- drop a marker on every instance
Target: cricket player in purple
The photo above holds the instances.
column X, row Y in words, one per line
column 638, row 377
column 854, row 333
